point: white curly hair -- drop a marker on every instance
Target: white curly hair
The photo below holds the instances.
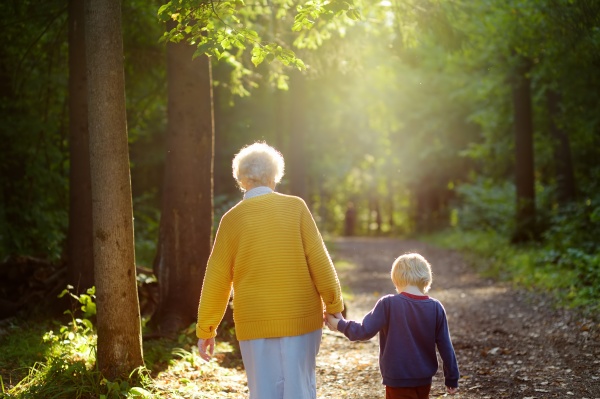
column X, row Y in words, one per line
column 257, row 164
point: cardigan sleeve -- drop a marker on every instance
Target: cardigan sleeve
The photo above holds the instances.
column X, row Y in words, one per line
column 218, row 280
column 320, row 265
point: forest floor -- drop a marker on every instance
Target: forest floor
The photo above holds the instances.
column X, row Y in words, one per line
column 509, row 343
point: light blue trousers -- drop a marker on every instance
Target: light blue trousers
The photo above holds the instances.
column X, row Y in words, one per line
column 282, row 368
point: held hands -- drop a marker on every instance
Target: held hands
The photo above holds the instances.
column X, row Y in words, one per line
column 332, row 320
column 203, row 345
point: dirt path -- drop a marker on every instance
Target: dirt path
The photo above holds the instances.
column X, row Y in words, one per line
column 509, row 344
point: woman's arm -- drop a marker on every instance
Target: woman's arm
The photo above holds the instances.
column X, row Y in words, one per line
column 216, row 288
column 320, row 265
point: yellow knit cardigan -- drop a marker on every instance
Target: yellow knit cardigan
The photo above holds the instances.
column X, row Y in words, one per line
column 269, row 248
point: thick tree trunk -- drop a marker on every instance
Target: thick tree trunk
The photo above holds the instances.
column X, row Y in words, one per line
column 524, row 155
column 565, row 177
column 80, row 253
column 118, row 313
column 186, row 218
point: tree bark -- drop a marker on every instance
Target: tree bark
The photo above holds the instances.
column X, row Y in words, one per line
column 565, row 177
column 524, row 155
column 80, row 253
column 186, row 216
column 118, row 314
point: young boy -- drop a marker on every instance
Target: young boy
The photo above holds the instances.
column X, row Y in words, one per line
column 410, row 326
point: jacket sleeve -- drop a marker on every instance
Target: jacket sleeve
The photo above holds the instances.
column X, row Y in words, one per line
column 319, row 263
column 218, row 279
column 372, row 323
column 444, row 345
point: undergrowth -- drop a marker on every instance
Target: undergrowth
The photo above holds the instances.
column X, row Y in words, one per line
column 572, row 276
column 46, row 359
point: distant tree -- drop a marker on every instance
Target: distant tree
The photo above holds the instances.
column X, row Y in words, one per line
column 296, row 154
column 119, row 328
column 186, row 213
column 565, row 177
column 524, row 165
column 80, row 253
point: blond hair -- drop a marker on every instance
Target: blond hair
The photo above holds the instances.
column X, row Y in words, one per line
column 258, row 164
column 412, row 269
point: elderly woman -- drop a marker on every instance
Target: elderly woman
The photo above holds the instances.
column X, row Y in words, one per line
column 269, row 249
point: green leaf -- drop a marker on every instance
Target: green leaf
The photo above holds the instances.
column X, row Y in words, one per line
column 65, row 291
column 300, row 64
column 141, row 393
column 87, row 323
column 353, row 14
column 163, row 13
column 258, row 55
column 203, row 48
column 297, row 26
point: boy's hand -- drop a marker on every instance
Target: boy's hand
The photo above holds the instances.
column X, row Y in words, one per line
column 333, row 320
column 451, row 391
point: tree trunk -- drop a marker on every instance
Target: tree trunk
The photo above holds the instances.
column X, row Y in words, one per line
column 118, row 314
column 390, row 201
column 80, row 253
column 297, row 153
column 565, row 177
column 524, row 165
column 186, row 216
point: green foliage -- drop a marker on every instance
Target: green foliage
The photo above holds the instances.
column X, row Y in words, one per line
column 87, row 301
column 571, row 275
column 487, row 206
column 222, row 28
column 65, row 362
column 21, row 346
column 146, row 225
column 240, row 34
column 34, row 166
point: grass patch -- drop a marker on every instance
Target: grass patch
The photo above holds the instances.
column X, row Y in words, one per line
column 534, row 266
column 21, row 346
column 44, row 359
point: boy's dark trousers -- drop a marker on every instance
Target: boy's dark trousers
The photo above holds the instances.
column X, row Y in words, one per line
column 407, row 392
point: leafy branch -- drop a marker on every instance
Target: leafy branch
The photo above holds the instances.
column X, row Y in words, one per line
column 217, row 29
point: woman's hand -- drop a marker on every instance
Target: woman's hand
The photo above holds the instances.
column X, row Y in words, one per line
column 333, row 320
column 203, row 345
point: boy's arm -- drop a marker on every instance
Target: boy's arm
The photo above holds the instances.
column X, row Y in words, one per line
column 372, row 323
column 444, row 345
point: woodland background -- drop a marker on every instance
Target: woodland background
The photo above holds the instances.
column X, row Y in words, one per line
column 474, row 122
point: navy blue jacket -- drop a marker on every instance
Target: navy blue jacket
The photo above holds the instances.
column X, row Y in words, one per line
column 410, row 327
